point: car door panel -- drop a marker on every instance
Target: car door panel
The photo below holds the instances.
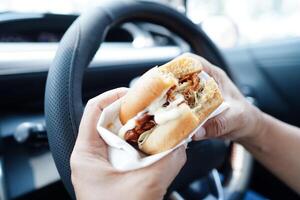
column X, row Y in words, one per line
column 280, row 62
column 270, row 73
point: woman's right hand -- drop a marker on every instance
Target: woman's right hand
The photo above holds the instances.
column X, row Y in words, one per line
column 241, row 121
column 93, row 176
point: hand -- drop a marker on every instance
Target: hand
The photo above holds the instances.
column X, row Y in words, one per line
column 93, row 177
column 241, row 121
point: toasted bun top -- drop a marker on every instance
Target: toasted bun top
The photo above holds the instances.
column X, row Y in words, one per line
column 154, row 82
column 182, row 65
column 150, row 86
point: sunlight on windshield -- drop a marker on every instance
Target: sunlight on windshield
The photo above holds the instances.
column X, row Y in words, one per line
column 235, row 22
column 60, row 6
column 52, row 6
column 228, row 22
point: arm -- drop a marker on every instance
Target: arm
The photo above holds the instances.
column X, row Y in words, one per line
column 273, row 143
column 278, row 148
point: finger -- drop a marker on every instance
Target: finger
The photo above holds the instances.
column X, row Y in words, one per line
column 217, row 73
column 222, row 124
column 88, row 135
column 93, row 110
column 103, row 100
column 199, row 135
column 225, row 84
column 207, row 66
column 166, row 169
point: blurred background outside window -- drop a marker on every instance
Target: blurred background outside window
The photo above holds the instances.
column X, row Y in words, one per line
column 239, row 22
column 229, row 23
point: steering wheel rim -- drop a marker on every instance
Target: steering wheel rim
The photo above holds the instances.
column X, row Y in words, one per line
column 63, row 96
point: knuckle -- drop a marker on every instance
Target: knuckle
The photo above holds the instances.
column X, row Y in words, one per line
column 91, row 103
column 188, row 54
column 221, row 126
column 75, row 163
column 242, row 118
column 124, row 89
column 77, row 167
column 74, row 166
column 221, row 72
column 73, row 178
column 218, row 125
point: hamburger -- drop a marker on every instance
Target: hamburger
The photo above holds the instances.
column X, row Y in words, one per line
column 166, row 104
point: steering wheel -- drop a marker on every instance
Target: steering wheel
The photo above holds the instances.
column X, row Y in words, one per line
column 63, row 97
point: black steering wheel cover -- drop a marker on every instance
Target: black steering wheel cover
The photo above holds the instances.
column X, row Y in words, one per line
column 63, row 96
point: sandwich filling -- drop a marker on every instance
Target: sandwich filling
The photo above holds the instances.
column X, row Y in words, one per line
column 165, row 108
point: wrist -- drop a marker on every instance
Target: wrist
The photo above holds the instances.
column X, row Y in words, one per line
column 257, row 130
column 261, row 126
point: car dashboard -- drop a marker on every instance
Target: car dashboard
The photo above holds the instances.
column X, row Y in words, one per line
column 28, row 45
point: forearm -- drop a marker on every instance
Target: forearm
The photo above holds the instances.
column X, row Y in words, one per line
column 277, row 147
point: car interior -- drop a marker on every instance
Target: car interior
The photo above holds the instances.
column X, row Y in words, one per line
column 256, row 43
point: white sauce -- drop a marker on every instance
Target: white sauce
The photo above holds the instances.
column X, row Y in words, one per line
column 171, row 112
column 167, row 115
column 128, row 126
column 156, row 104
column 161, row 114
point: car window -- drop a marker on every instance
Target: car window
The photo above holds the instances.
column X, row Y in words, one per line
column 66, row 6
column 228, row 23
column 240, row 22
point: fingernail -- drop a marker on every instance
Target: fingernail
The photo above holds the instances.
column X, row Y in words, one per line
column 200, row 133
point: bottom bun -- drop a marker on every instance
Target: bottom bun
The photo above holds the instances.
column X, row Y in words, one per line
column 168, row 135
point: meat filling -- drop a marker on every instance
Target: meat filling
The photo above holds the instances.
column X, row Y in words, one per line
column 143, row 123
column 189, row 86
column 191, row 90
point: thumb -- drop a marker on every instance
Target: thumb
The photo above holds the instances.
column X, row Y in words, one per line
column 88, row 138
column 216, row 127
column 221, row 125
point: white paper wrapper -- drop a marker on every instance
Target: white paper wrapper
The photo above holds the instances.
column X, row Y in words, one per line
column 121, row 154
